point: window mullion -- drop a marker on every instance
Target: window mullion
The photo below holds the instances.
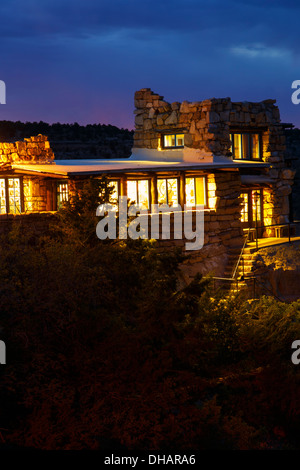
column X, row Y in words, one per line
column 7, row 195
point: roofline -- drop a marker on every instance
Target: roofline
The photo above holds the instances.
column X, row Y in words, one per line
column 160, row 168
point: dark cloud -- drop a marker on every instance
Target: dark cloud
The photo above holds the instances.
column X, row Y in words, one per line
column 75, row 60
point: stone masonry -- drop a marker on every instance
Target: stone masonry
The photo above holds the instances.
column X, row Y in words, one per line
column 32, row 150
column 207, row 126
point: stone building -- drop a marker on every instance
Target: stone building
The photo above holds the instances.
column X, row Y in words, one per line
column 227, row 156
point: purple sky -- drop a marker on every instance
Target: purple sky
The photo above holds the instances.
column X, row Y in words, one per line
column 81, row 61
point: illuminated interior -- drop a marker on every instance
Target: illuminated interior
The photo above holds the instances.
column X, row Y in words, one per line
column 173, row 140
column 245, row 146
column 2, row 196
column 114, row 196
column 62, row 193
column 245, row 208
column 14, row 196
column 10, row 196
column 195, row 191
column 256, row 204
column 138, row 192
column 251, row 207
column 167, row 191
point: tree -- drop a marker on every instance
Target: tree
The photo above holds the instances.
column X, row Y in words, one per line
column 76, row 220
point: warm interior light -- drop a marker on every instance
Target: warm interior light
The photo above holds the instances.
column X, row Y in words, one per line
column 173, row 140
column 245, row 207
column 138, row 192
column 2, row 196
column 114, row 196
column 167, row 191
column 62, row 193
column 195, row 191
column 14, row 196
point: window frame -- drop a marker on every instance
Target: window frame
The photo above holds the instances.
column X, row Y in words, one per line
column 137, row 190
column 167, row 193
column 249, row 133
column 58, row 183
column 205, row 190
column 21, row 196
column 175, row 134
column 251, row 207
column 118, row 184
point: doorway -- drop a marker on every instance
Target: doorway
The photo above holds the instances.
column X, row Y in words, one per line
column 252, row 209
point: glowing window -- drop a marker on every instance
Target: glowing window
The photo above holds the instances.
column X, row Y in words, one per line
column 173, row 140
column 256, row 205
column 10, row 196
column 14, row 196
column 195, row 193
column 2, row 196
column 167, row 191
column 245, row 208
column 62, row 194
column 245, row 146
column 114, row 196
column 138, row 192
column 255, row 146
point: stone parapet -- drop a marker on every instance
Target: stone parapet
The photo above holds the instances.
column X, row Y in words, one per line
column 207, row 126
column 34, row 149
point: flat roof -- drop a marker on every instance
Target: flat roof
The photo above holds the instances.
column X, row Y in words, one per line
column 99, row 166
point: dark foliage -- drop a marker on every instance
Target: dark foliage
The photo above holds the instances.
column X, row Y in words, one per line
column 105, row 352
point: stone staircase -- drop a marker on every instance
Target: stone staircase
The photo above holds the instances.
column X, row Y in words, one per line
column 245, row 265
column 243, row 273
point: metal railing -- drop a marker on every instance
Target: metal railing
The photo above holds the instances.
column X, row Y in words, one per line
column 289, row 225
column 254, row 287
column 233, row 280
column 241, row 254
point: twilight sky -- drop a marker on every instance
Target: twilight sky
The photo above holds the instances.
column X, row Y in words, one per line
column 81, row 61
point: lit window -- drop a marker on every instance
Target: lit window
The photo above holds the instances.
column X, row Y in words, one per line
column 167, row 191
column 245, row 208
column 14, row 196
column 251, row 207
column 62, row 194
column 2, row 196
column 173, row 140
column 256, row 205
column 245, row 146
column 114, row 196
column 10, row 196
column 195, row 193
column 138, row 192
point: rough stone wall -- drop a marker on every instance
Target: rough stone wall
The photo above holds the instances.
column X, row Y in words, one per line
column 35, row 194
column 223, row 232
column 207, row 125
column 198, row 121
column 34, row 149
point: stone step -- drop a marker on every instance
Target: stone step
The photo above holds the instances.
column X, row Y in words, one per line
column 247, row 256
column 247, row 269
column 249, row 250
column 247, row 262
